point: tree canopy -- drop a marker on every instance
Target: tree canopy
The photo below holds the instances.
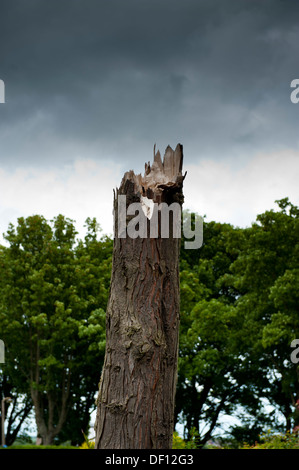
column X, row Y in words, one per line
column 53, row 299
column 238, row 317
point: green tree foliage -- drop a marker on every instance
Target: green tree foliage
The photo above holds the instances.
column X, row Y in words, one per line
column 208, row 363
column 266, row 274
column 52, row 317
column 239, row 315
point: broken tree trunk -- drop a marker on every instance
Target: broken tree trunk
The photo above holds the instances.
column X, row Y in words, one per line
column 135, row 404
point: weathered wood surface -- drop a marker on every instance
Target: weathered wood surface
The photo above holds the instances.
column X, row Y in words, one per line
column 135, row 404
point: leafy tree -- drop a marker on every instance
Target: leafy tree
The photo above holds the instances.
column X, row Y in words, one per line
column 206, row 385
column 216, row 375
column 52, row 318
column 266, row 274
column 239, row 315
column 96, row 258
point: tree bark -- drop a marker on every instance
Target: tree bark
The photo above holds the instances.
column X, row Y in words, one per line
column 135, row 404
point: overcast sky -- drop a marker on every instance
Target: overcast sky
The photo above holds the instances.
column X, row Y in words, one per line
column 92, row 85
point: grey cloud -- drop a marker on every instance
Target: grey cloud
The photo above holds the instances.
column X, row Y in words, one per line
column 108, row 79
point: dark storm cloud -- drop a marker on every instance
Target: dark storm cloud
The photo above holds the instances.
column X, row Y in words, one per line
column 110, row 78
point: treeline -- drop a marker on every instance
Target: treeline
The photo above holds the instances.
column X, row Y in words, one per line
column 53, row 295
column 239, row 315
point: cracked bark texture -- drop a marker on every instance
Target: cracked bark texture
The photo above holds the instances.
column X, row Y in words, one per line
column 135, row 403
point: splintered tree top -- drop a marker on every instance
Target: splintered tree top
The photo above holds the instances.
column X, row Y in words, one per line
column 161, row 174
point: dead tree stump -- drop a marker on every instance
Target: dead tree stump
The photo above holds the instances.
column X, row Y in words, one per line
column 135, row 404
